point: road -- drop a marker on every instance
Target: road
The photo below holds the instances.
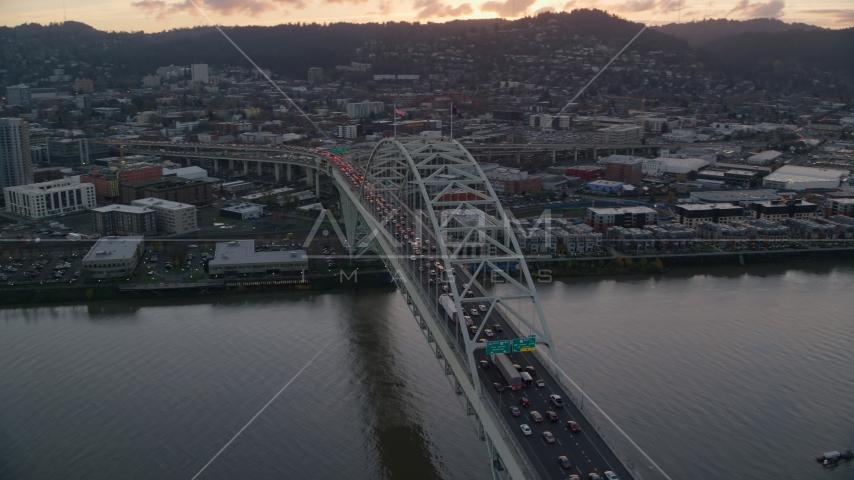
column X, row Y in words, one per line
column 587, row 451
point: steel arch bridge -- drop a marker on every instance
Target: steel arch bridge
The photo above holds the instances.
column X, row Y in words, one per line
column 432, row 195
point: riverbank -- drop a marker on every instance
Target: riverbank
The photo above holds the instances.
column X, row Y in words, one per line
column 543, row 270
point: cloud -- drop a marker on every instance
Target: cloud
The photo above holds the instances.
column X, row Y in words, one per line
column 771, row 9
column 252, row 8
column 836, row 16
column 546, row 9
column 508, row 8
column 435, row 8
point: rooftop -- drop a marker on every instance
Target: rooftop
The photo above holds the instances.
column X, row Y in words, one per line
column 243, row 251
column 735, row 196
column 122, row 208
column 706, row 206
column 167, row 204
column 114, row 248
column 794, row 174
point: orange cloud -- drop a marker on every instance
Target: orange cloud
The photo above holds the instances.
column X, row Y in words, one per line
column 252, row 8
column 771, row 9
column 508, row 8
column 436, row 9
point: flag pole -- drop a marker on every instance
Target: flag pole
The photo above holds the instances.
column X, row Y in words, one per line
column 452, row 121
column 394, row 114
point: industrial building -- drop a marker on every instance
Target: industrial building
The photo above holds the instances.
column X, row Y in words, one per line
column 242, row 211
column 240, row 258
column 795, row 178
column 619, row 135
column 113, row 257
column 108, row 180
column 120, row 219
column 586, row 172
column 605, row 186
column 172, row 217
column 194, row 192
column 691, row 214
column 47, row 199
column 659, row 166
column 512, row 181
column 601, row 219
column 764, row 158
column 741, row 197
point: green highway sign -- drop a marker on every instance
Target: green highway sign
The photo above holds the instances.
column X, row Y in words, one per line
column 524, row 344
column 499, row 346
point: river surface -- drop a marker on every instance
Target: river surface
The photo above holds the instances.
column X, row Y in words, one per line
column 715, row 373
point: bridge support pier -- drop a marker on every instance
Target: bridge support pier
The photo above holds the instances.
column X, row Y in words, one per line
column 259, row 167
column 276, row 171
column 216, row 165
column 317, row 183
column 230, row 164
column 309, row 178
column 576, row 155
column 245, row 167
column 289, row 172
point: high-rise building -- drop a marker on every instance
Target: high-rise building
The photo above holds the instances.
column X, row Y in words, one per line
column 48, row 199
column 83, row 85
column 18, row 95
column 200, row 72
column 365, row 109
column 315, row 75
column 16, row 166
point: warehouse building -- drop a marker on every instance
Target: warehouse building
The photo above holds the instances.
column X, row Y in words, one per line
column 764, row 158
column 242, row 211
column 240, row 258
column 741, row 197
column 661, row 165
column 691, row 214
column 790, row 177
column 113, row 257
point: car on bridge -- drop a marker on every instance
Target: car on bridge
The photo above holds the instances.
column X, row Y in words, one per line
column 514, row 410
column 573, row 426
column 556, row 400
column 593, row 476
column 552, row 416
column 564, row 461
column 498, row 387
column 497, row 327
column 609, row 475
column 525, row 402
column 475, row 312
column 488, row 333
column 525, row 429
column 549, row 437
column 531, row 371
column 536, row 416
column 484, row 364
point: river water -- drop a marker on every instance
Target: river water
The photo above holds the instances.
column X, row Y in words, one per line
column 715, row 373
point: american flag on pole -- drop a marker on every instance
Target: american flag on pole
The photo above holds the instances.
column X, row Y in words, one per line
column 399, row 112
column 456, row 111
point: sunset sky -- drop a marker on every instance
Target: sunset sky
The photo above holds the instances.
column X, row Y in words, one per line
column 157, row 15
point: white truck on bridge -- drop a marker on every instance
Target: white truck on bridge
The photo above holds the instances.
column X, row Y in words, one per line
column 450, row 309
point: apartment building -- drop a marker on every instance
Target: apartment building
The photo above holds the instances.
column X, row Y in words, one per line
column 171, row 217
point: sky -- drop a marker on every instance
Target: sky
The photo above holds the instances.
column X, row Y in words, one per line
column 159, row 15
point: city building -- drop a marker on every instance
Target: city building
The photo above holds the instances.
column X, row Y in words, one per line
column 691, row 214
column 121, row 219
column 196, row 192
column 365, row 109
column 673, row 236
column 630, row 239
column 586, row 172
column 839, row 206
column 315, row 76
column 172, row 217
column 199, row 72
column 619, row 135
column 47, row 174
column 723, row 234
column 627, row 170
column 16, row 166
column 601, row 219
column 108, row 181
column 789, row 177
column 113, row 257
column 18, row 95
column 765, row 231
column 150, row 81
column 240, row 258
column 72, row 152
column 83, row 85
column 242, row 211
column 779, row 209
column 349, row 131
column 810, row 230
column 512, row 181
column 48, row 199
column 764, row 158
column 605, row 186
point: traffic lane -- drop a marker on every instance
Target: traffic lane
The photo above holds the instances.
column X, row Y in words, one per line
column 591, row 441
column 543, row 456
column 585, row 442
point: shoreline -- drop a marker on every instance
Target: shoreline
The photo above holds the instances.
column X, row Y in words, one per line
column 548, row 269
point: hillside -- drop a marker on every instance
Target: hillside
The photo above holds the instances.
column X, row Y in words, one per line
column 707, row 31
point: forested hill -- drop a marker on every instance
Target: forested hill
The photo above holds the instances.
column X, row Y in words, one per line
column 707, row 31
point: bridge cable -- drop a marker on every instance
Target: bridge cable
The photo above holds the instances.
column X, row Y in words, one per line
column 262, row 408
column 645, row 25
column 259, row 69
column 607, row 417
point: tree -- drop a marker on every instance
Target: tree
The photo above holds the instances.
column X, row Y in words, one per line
column 671, row 197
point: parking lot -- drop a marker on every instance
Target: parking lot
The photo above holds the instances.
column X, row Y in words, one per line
column 42, row 270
